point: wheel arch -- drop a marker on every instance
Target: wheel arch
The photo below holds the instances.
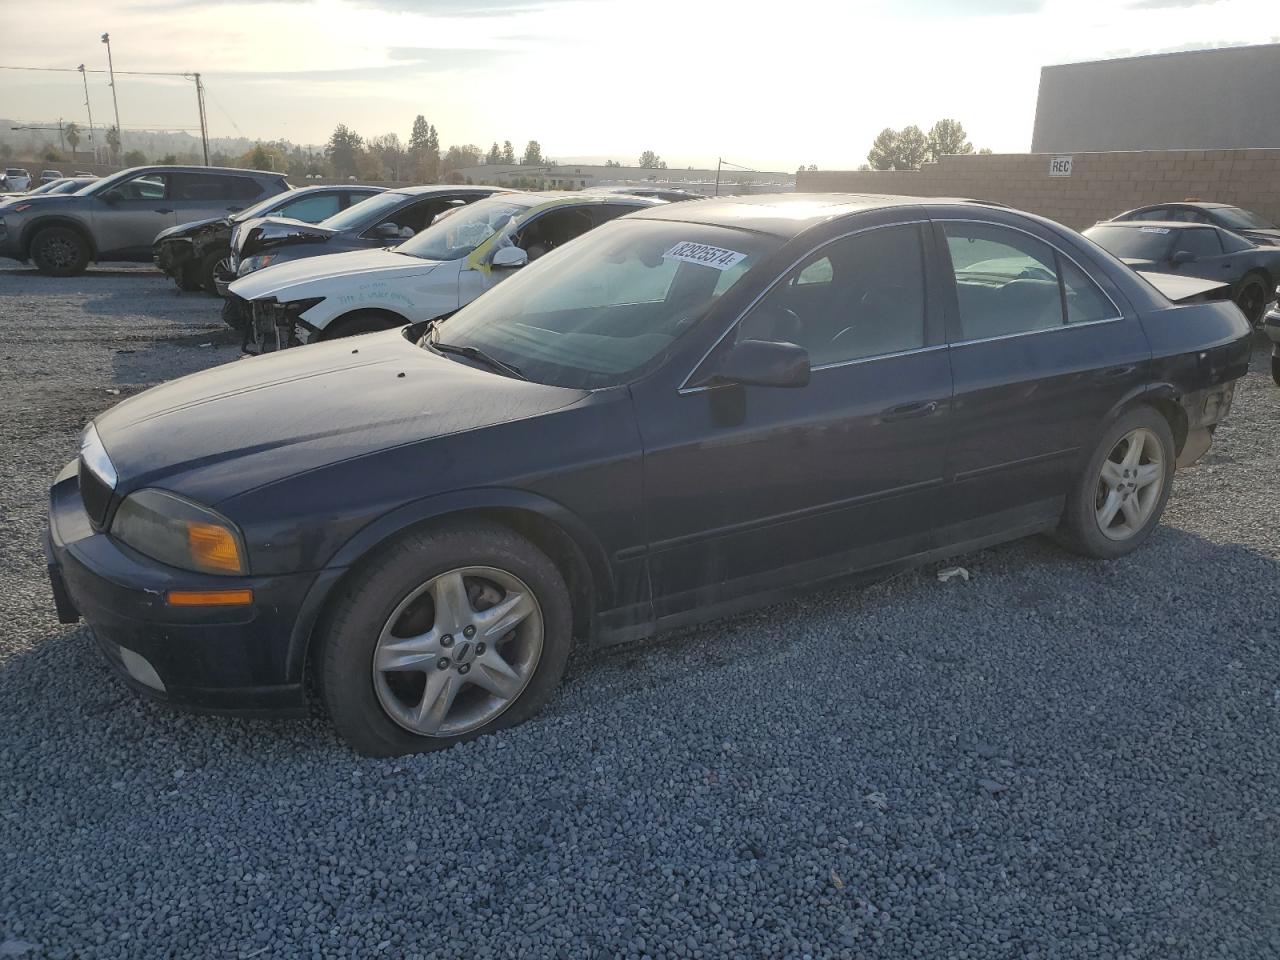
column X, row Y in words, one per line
column 30, row 230
column 1164, row 399
column 333, row 329
column 552, row 528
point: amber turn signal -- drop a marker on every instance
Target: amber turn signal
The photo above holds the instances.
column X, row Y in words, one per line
column 209, row 598
column 213, row 547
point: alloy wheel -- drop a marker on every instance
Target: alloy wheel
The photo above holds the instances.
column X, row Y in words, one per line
column 60, row 252
column 458, row 651
column 1253, row 301
column 1130, row 484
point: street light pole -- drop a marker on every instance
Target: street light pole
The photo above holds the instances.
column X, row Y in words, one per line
column 204, row 124
column 92, row 143
column 111, row 70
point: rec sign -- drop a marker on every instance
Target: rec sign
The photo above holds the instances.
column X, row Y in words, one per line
column 1060, row 167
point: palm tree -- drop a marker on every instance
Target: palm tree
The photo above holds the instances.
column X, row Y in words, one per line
column 72, row 134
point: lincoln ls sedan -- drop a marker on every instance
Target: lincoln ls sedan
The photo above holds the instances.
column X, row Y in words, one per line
column 691, row 410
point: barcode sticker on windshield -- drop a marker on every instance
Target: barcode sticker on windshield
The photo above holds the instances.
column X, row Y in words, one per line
column 717, row 258
column 1155, row 230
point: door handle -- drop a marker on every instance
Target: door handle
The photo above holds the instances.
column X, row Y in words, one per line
column 164, row 209
column 909, row 411
column 1114, row 373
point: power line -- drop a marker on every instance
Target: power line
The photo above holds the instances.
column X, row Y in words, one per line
column 124, row 73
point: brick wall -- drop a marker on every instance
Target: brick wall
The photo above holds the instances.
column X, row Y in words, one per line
column 1100, row 186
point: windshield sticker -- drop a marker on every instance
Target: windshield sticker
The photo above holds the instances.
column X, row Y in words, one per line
column 715, row 257
column 1155, row 230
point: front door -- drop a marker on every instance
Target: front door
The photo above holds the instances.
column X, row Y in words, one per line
column 128, row 215
column 750, row 488
column 1040, row 354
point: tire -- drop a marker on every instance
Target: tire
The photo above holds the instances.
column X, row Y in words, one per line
column 1252, row 298
column 1275, row 369
column 1081, row 529
column 233, row 315
column 379, row 712
column 362, row 321
column 188, row 278
column 59, row 252
column 207, row 268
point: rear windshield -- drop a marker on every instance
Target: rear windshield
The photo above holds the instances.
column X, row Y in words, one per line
column 1246, row 219
column 1128, row 243
column 360, row 214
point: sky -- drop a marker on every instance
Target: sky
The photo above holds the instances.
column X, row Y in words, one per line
column 767, row 85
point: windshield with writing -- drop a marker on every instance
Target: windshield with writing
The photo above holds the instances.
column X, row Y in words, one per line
column 610, row 304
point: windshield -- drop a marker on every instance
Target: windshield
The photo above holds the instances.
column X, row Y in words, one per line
column 598, row 310
column 360, row 214
column 458, row 235
column 261, row 208
column 1144, row 243
column 1239, row 217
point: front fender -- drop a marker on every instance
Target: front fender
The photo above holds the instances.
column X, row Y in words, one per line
column 37, row 224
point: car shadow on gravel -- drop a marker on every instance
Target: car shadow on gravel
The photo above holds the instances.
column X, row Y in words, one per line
column 63, row 684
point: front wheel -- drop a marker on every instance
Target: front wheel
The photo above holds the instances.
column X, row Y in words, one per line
column 1252, row 299
column 1120, row 495
column 446, row 635
column 1275, row 369
column 59, row 252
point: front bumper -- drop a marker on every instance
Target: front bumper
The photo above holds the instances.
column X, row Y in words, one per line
column 217, row 659
column 171, row 256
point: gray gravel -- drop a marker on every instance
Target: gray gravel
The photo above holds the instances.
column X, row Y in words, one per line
column 1058, row 758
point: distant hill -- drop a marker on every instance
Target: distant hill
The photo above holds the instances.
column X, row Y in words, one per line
column 154, row 143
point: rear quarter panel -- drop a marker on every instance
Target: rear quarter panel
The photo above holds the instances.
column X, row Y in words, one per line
column 1197, row 346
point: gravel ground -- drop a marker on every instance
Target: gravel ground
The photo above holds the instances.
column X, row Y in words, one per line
column 1059, row 758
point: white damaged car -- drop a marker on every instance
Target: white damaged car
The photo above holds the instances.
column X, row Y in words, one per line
column 447, row 265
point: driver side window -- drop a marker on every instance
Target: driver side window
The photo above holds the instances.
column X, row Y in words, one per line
column 146, row 188
column 857, row 297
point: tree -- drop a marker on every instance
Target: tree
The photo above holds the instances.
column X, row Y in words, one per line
column 532, row 155
column 72, row 134
column 947, row 138
column 508, row 152
column 651, row 161
column 113, row 143
column 52, row 155
column 494, row 155
column 135, row 158
column 613, row 163
column 883, row 154
column 344, row 149
column 913, row 148
column 985, row 151
column 389, row 155
column 458, row 157
column 262, row 157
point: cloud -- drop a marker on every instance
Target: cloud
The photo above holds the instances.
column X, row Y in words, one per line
column 1169, row 4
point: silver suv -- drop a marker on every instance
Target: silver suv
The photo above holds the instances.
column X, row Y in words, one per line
column 118, row 217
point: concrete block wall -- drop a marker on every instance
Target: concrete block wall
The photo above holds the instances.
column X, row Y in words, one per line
column 1100, row 186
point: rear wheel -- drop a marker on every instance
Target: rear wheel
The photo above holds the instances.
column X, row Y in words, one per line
column 1121, row 493
column 208, row 268
column 59, row 252
column 1252, row 298
column 233, row 315
column 1275, row 369
column 447, row 635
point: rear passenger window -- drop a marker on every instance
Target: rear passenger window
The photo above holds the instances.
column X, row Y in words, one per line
column 210, row 188
column 871, row 302
column 1008, row 282
column 1202, row 242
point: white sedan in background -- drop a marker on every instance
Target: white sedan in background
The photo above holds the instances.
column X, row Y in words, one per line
column 443, row 268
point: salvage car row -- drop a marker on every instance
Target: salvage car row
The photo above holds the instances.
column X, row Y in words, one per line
column 658, row 418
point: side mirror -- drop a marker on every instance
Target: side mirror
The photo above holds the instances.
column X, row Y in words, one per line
column 508, row 258
column 111, row 197
column 765, row 363
column 1183, row 256
column 386, row 231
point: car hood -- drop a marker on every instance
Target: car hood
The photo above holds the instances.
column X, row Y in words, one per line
column 40, row 200
column 189, row 228
column 227, row 430
column 272, row 281
column 1270, row 237
column 263, row 233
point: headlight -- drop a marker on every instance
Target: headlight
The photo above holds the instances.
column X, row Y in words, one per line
column 255, row 263
column 94, row 455
column 176, row 531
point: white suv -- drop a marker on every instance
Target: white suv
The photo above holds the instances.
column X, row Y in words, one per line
column 17, row 179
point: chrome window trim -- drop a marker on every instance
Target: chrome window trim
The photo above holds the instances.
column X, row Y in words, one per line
column 941, row 221
column 684, row 387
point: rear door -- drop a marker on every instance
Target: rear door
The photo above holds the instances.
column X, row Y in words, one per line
column 1040, row 352
column 197, row 196
column 1211, row 261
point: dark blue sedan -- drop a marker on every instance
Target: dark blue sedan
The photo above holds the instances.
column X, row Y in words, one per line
column 686, row 412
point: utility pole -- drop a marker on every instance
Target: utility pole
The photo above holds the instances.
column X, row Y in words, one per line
column 719, row 161
column 204, row 123
column 93, row 145
column 111, row 70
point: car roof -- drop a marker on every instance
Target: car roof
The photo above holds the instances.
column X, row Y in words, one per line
column 316, row 188
column 443, row 188
column 1198, row 204
column 788, row 214
column 1162, row 224
column 192, row 168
